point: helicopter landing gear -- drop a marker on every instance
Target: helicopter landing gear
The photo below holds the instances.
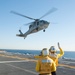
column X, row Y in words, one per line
column 44, row 30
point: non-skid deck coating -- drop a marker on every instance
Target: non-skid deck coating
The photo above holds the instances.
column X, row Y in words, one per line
column 15, row 65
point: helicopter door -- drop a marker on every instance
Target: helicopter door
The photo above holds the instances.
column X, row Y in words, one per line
column 37, row 23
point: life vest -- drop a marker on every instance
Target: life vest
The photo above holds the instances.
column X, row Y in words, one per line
column 45, row 65
column 54, row 57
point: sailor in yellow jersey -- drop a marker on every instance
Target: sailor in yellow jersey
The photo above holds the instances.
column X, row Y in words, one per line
column 45, row 65
column 54, row 55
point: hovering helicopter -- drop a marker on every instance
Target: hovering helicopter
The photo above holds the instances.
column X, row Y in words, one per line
column 36, row 25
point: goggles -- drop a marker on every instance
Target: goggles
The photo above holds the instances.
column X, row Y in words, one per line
column 52, row 49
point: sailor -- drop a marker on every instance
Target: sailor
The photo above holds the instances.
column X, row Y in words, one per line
column 45, row 65
column 53, row 55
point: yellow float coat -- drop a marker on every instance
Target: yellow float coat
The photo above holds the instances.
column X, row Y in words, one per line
column 54, row 57
column 45, row 65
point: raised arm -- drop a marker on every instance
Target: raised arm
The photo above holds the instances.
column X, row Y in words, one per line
column 61, row 51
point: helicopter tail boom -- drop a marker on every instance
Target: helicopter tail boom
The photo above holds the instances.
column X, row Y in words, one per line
column 21, row 34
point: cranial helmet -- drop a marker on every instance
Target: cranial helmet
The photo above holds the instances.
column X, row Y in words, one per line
column 45, row 52
column 52, row 49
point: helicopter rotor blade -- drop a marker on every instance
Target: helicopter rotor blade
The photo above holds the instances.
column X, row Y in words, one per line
column 22, row 15
column 53, row 23
column 25, row 25
column 28, row 23
column 49, row 12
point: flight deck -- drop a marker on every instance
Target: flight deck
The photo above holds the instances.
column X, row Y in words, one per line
column 16, row 65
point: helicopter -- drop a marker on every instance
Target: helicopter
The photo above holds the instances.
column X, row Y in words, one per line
column 36, row 25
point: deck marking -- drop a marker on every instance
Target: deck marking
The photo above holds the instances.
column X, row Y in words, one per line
column 14, row 61
column 67, row 66
column 23, row 69
column 32, row 60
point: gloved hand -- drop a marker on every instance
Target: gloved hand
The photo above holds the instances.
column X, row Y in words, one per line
column 58, row 45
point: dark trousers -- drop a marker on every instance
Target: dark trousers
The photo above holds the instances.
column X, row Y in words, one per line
column 53, row 73
column 45, row 74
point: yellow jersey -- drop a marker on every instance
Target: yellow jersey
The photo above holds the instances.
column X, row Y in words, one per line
column 54, row 56
column 45, row 65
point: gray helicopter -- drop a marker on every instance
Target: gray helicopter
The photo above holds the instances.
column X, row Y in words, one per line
column 36, row 25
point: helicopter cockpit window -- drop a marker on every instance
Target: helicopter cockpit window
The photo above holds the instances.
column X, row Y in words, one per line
column 41, row 21
column 37, row 23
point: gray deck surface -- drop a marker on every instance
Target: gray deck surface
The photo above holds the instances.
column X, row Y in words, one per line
column 13, row 66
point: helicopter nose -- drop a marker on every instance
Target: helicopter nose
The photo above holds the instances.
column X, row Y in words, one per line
column 47, row 22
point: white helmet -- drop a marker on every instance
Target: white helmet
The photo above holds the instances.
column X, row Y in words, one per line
column 52, row 49
column 45, row 51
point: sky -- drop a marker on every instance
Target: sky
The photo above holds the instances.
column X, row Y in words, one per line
column 63, row 31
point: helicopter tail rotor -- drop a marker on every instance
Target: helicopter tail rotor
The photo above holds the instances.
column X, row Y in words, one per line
column 20, row 32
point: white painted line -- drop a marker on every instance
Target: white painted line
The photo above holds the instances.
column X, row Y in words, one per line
column 23, row 69
column 13, row 61
column 67, row 62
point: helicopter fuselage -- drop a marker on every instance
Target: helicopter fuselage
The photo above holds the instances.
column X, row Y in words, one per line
column 35, row 27
column 40, row 25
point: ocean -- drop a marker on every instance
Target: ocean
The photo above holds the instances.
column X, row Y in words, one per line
column 67, row 54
